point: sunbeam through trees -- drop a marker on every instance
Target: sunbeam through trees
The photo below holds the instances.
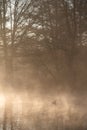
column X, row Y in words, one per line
column 43, row 66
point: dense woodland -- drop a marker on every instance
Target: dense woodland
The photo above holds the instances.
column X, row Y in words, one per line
column 43, row 51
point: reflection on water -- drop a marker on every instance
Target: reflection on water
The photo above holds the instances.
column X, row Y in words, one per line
column 37, row 113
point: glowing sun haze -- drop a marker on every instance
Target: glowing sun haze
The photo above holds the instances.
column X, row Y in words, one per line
column 2, row 100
